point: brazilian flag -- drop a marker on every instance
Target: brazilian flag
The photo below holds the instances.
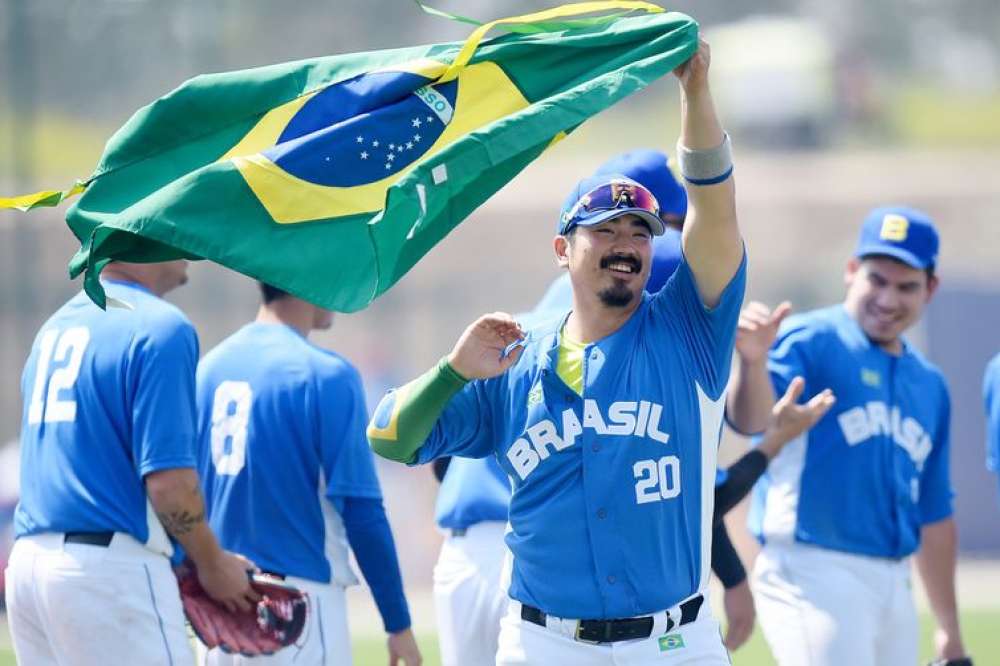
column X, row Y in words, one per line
column 331, row 177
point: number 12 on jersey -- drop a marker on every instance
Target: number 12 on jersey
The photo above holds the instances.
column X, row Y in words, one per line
column 657, row 480
column 65, row 347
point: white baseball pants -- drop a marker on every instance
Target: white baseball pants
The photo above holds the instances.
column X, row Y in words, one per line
column 820, row 607
column 470, row 594
column 75, row 604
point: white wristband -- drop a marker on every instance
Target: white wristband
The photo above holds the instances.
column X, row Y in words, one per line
column 706, row 167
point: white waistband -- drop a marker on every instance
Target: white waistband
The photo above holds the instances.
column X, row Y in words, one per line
column 122, row 545
column 836, row 557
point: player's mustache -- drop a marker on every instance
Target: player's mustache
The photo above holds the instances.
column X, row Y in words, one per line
column 632, row 261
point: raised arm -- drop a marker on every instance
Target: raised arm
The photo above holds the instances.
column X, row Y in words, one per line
column 712, row 243
column 751, row 394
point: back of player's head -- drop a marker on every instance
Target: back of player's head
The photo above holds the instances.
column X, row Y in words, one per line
column 651, row 168
column 269, row 293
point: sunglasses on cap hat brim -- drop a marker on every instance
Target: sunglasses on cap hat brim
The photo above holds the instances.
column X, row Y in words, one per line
column 614, row 196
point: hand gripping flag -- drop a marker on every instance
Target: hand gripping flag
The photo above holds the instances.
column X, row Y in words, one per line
column 330, row 178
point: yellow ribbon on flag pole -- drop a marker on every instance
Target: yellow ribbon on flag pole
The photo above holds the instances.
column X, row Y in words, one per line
column 26, row 202
column 563, row 11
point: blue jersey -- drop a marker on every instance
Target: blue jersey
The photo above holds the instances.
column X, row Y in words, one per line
column 473, row 491
column 991, row 394
column 874, row 469
column 108, row 398
column 612, row 502
column 281, row 427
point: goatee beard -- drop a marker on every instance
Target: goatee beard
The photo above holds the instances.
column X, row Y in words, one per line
column 617, row 296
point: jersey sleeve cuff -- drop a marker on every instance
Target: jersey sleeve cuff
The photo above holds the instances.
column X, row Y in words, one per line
column 943, row 513
column 160, row 464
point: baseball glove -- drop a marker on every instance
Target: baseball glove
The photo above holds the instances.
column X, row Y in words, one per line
column 277, row 620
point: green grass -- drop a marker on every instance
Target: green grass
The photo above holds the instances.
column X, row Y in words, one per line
column 979, row 630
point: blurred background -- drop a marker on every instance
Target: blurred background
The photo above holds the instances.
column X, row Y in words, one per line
column 833, row 108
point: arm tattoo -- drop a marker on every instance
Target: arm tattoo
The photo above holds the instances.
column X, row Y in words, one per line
column 179, row 523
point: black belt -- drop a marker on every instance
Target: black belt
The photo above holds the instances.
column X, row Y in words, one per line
column 102, row 539
column 611, row 631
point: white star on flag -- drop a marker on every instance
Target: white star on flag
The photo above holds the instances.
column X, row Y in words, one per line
column 361, row 139
column 430, row 119
column 399, row 149
column 391, row 157
column 375, row 143
column 392, row 146
column 409, row 145
column 388, row 166
column 416, row 137
column 364, row 154
column 416, row 122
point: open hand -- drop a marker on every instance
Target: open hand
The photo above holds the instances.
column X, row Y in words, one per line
column 790, row 419
column 478, row 353
column 757, row 330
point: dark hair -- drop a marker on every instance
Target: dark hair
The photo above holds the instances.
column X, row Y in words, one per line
column 270, row 293
column 929, row 271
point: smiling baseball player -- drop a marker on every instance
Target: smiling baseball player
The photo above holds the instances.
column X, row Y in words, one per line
column 470, row 576
column 607, row 420
column 841, row 510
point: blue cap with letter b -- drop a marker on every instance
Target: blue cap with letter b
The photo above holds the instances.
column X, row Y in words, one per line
column 903, row 233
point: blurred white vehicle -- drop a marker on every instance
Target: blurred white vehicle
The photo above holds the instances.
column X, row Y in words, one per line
column 774, row 80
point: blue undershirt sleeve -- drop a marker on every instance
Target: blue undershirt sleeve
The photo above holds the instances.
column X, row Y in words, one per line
column 371, row 540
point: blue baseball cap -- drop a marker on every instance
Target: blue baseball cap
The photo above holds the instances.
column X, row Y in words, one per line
column 902, row 233
column 652, row 169
column 642, row 204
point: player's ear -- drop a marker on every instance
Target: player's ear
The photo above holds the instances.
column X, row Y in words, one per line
column 932, row 284
column 853, row 264
column 561, row 246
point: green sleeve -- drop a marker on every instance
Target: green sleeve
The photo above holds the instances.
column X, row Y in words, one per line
column 405, row 417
